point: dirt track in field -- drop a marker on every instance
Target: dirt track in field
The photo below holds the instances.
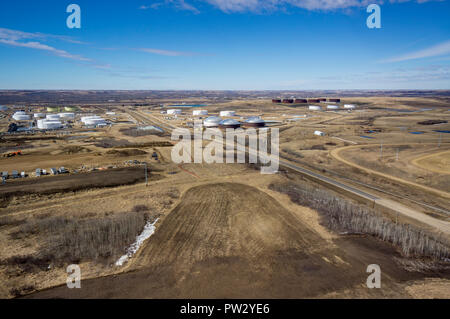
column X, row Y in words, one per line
column 234, row 241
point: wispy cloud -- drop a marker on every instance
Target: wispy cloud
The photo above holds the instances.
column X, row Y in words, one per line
column 178, row 4
column 436, row 50
column 22, row 39
column 166, row 52
column 262, row 6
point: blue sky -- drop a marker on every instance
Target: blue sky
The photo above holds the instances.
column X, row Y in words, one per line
column 224, row 44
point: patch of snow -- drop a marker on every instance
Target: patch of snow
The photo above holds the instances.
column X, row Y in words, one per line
column 148, row 231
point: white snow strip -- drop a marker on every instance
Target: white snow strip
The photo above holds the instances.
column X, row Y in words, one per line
column 148, row 231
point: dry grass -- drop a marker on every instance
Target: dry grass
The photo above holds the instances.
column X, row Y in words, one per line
column 342, row 215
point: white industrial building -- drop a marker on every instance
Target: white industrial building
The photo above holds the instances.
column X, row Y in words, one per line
column 199, row 112
column 48, row 125
column 39, row 115
column 21, row 116
column 228, row 113
column 212, row 121
column 315, row 108
column 173, row 112
column 349, row 106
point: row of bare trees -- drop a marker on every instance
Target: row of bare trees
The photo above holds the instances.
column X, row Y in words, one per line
column 343, row 215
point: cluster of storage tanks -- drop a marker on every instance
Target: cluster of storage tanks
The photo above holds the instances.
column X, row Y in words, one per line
column 218, row 122
column 304, row 101
column 332, row 107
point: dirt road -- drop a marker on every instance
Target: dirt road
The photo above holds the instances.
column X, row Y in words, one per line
column 233, row 241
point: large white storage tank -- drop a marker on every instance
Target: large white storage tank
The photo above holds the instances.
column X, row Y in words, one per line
column 227, row 113
column 319, row 133
column 333, row 107
column 21, row 116
column 199, row 112
column 212, row 121
column 48, row 125
column 67, row 116
column 349, row 106
column 53, row 117
column 95, row 122
column 314, row 108
column 174, row 112
column 39, row 115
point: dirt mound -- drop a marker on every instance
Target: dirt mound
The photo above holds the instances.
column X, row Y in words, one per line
column 234, row 241
column 69, row 150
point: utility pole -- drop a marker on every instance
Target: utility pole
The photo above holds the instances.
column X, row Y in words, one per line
column 440, row 140
column 146, row 174
column 381, row 150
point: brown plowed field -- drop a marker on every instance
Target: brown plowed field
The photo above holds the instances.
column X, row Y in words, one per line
column 231, row 240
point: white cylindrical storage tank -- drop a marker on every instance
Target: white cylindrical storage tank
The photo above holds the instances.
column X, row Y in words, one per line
column 52, row 125
column 173, row 112
column 48, row 125
column 314, row 108
column 52, row 117
column 84, row 118
column 350, row 106
column 39, row 115
column 40, row 124
column 67, row 116
column 21, row 117
column 199, row 112
column 319, row 133
column 212, row 121
column 333, row 107
column 227, row 113
column 95, row 121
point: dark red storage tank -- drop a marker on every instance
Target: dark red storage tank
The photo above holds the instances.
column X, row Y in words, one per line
column 299, row 101
column 313, row 101
column 276, row 101
column 288, row 101
column 334, row 100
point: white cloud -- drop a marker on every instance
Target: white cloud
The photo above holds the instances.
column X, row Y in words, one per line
column 166, row 52
column 436, row 50
column 259, row 6
column 20, row 39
